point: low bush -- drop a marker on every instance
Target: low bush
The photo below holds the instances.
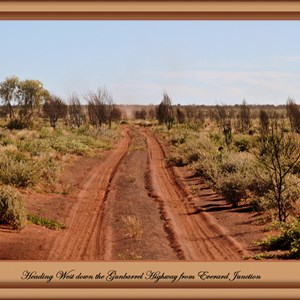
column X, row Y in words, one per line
column 181, row 139
column 243, row 143
column 233, row 187
column 20, row 173
column 47, row 170
column 69, row 145
column 256, row 204
column 35, row 147
column 12, row 211
column 175, row 160
column 203, row 156
column 207, row 167
column 233, row 162
column 232, row 173
column 16, row 124
column 296, row 168
column 289, row 239
column 289, row 197
column 260, row 184
column 48, row 223
column 28, row 157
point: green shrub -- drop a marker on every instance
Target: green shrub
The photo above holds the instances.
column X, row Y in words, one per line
column 27, row 158
column 257, row 183
column 66, row 144
column 289, row 196
column 205, row 159
column 289, row 239
column 35, row 147
column 77, row 144
column 194, row 156
column 17, row 124
column 296, row 168
column 295, row 248
column 235, row 162
column 12, row 211
column 20, row 173
column 207, row 167
column 84, row 129
column 233, row 187
column 243, row 143
column 93, row 141
column 181, row 139
column 260, row 184
column 175, row 160
column 48, row 223
column 188, row 148
column 228, row 167
column 47, row 170
column 256, row 204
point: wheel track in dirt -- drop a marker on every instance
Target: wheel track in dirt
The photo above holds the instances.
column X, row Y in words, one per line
column 193, row 234
column 85, row 238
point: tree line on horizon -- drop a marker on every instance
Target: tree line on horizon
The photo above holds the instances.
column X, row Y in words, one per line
column 23, row 100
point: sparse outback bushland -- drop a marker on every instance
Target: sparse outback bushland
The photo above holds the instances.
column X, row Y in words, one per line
column 256, row 162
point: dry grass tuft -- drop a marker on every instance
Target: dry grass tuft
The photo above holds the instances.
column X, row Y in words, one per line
column 133, row 226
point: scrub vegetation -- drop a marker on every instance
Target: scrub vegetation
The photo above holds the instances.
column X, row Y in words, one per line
column 38, row 132
column 250, row 154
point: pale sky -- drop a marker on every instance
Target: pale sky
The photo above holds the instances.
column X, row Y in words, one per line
column 195, row 62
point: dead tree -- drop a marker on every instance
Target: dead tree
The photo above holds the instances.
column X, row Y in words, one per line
column 54, row 108
column 75, row 111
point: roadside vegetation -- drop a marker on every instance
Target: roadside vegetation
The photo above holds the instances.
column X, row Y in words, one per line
column 38, row 133
column 50, row 224
column 249, row 154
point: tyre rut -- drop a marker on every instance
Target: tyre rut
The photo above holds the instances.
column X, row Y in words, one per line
column 85, row 237
column 195, row 235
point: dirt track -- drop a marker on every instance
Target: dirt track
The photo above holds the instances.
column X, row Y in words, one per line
column 191, row 236
column 85, row 238
column 132, row 180
column 194, row 235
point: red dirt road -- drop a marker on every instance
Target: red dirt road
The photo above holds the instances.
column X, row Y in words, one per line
column 194, row 235
column 133, row 180
column 85, row 239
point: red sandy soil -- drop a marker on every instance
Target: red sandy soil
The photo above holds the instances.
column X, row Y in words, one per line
column 133, row 179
